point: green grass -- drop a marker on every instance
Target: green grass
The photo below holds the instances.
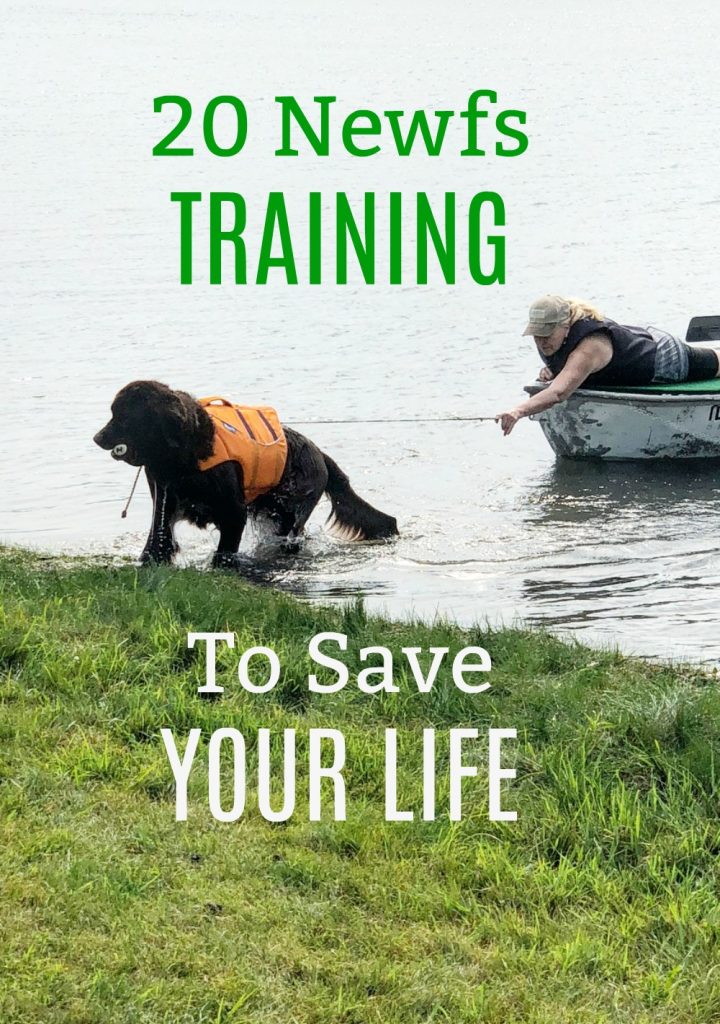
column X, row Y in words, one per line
column 599, row 904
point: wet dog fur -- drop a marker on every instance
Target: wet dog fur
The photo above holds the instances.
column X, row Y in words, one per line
column 169, row 433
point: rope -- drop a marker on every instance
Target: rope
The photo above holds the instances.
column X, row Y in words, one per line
column 315, row 423
column 123, row 514
column 429, row 419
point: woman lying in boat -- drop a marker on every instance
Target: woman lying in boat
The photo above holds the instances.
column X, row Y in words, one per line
column 582, row 348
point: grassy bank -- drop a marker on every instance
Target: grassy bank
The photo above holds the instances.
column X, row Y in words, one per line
column 599, row 904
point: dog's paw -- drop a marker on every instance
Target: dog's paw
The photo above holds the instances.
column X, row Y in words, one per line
column 150, row 558
column 225, row 560
column 290, row 545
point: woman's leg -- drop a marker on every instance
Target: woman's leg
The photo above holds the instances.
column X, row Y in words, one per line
column 703, row 362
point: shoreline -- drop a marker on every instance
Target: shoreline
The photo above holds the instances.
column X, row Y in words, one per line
column 259, row 573
column 602, row 892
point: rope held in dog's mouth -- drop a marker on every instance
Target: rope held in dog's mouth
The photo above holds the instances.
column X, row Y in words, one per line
column 123, row 514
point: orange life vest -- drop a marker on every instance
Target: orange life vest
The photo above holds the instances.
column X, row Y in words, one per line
column 251, row 435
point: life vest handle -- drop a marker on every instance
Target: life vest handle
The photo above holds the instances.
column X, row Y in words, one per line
column 214, row 399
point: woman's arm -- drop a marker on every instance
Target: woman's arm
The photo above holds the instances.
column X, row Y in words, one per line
column 591, row 355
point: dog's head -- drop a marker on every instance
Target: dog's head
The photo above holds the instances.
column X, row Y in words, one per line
column 152, row 425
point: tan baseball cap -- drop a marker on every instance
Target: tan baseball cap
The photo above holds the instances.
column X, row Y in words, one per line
column 545, row 315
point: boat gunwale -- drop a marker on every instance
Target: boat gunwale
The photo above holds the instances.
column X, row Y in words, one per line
column 713, row 397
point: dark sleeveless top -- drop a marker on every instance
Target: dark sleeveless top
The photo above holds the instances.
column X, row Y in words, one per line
column 633, row 360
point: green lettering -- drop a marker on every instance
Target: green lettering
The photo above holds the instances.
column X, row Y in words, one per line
column 291, row 109
column 444, row 250
column 218, row 235
column 396, row 238
column 497, row 242
column 472, row 114
column 345, row 225
column 276, row 215
column 419, row 121
column 315, row 239
column 512, row 133
column 186, row 199
column 351, row 129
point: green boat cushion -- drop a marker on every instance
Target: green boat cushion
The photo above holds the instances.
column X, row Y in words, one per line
column 687, row 387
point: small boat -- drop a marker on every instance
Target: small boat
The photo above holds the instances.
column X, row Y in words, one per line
column 658, row 421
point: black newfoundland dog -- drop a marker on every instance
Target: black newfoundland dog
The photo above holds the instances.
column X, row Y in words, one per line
column 170, row 433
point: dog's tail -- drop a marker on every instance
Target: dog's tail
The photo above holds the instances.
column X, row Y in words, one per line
column 351, row 517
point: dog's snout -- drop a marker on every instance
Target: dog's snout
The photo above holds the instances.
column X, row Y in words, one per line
column 103, row 438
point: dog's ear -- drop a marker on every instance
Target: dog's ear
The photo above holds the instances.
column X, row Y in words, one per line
column 172, row 422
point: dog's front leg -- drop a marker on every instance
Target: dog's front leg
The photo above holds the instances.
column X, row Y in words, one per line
column 160, row 545
column 231, row 531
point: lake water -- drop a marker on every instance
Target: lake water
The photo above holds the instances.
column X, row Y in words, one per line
column 617, row 199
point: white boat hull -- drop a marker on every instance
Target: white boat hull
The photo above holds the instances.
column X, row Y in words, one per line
column 609, row 425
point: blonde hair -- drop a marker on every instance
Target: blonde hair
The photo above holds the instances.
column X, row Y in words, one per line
column 579, row 310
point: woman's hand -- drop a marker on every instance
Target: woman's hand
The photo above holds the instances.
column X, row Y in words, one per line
column 589, row 357
column 545, row 374
column 507, row 420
